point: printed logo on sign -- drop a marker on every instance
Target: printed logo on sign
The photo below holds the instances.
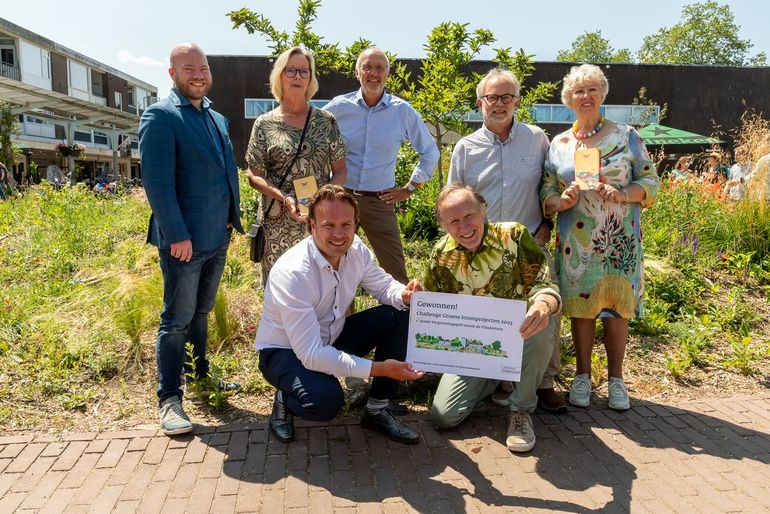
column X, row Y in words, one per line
column 507, row 369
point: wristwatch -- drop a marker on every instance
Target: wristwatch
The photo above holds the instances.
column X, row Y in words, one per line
column 410, row 187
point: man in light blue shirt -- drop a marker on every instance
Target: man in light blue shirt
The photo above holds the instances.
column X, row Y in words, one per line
column 373, row 125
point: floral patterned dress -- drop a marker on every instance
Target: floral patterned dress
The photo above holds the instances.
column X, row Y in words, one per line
column 599, row 243
column 272, row 147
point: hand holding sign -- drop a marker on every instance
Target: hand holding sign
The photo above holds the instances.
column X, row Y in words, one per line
column 587, row 166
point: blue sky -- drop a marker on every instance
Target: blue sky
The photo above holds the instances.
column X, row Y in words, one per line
column 136, row 35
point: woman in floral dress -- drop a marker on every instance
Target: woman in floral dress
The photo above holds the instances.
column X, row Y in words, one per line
column 599, row 254
column 273, row 145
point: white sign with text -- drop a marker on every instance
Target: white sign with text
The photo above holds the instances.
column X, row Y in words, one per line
column 467, row 335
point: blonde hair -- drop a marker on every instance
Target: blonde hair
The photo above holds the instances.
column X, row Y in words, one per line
column 276, row 86
column 580, row 74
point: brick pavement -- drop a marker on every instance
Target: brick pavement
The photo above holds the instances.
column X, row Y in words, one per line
column 705, row 456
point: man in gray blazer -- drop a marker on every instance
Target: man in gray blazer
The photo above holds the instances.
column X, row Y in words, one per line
column 191, row 180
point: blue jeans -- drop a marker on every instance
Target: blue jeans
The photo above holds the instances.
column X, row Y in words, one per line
column 317, row 396
column 189, row 291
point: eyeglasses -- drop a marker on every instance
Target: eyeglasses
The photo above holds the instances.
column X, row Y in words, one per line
column 492, row 99
column 292, row 72
column 368, row 68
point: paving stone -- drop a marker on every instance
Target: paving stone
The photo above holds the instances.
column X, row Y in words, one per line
column 710, row 456
column 25, row 458
column 16, row 439
column 112, row 453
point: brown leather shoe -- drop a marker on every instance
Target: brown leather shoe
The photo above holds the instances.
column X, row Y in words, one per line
column 551, row 401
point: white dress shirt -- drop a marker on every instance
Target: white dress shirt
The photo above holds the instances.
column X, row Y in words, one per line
column 306, row 300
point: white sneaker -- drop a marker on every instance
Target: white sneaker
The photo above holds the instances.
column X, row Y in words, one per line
column 580, row 391
column 173, row 419
column 521, row 433
column 618, row 394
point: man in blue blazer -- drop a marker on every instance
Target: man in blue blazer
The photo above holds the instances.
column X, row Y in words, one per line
column 191, row 180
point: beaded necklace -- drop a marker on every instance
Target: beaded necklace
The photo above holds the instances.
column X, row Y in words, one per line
column 585, row 135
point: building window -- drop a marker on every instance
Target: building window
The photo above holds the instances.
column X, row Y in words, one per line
column 101, row 138
column 33, row 126
column 78, row 75
column 8, row 52
column 255, row 107
column 631, row 114
column 97, row 83
column 45, row 59
column 119, row 100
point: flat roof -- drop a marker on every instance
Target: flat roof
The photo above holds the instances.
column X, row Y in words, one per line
column 16, row 30
column 30, row 98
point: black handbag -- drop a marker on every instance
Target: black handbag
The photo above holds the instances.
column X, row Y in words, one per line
column 257, row 230
column 257, row 246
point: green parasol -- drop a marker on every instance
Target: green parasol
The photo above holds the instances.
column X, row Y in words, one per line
column 655, row 134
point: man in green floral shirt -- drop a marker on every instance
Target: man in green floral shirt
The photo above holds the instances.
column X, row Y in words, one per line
column 504, row 261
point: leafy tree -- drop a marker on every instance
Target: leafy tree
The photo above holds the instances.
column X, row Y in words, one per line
column 707, row 34
column 9, row 127
column 444, row 91
column 593, row 47
column 647, row 104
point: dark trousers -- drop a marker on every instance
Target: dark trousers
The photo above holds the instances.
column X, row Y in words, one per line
column 189, row 292
column 317, row 396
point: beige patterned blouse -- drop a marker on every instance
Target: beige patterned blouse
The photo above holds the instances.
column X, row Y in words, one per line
column 271, row 148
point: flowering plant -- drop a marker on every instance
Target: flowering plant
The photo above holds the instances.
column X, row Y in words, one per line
column 63, row 150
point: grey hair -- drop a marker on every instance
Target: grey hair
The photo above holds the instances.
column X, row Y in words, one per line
column 583, row 73
column 368, row 49
column 454, row 187
column 498, row 72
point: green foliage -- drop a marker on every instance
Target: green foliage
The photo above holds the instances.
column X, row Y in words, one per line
column 444, row 91
column 327, row 55
column 706, row 35
column 744, row 356
column 250, row 198
column 656, row 317
column 523, row 65
column 593, row 47
column 598, row 369
column 416, row 217
column 225, row 325
column 647, row 112
column 9, row 127
column 204, row 388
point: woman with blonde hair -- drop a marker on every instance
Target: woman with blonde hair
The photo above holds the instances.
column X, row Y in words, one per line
column 275, row 159
column 599, row 254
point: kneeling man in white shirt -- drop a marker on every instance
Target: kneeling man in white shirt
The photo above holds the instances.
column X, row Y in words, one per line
column 304, row 339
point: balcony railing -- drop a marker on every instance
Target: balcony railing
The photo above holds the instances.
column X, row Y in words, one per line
column 10, row 71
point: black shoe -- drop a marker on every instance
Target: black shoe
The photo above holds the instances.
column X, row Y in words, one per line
column 397, row 409
column 201, row 389
column 383, row 421
column 228, row 387
column 281, row 421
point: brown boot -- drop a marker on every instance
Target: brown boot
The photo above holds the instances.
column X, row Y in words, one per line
column 551, row 401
